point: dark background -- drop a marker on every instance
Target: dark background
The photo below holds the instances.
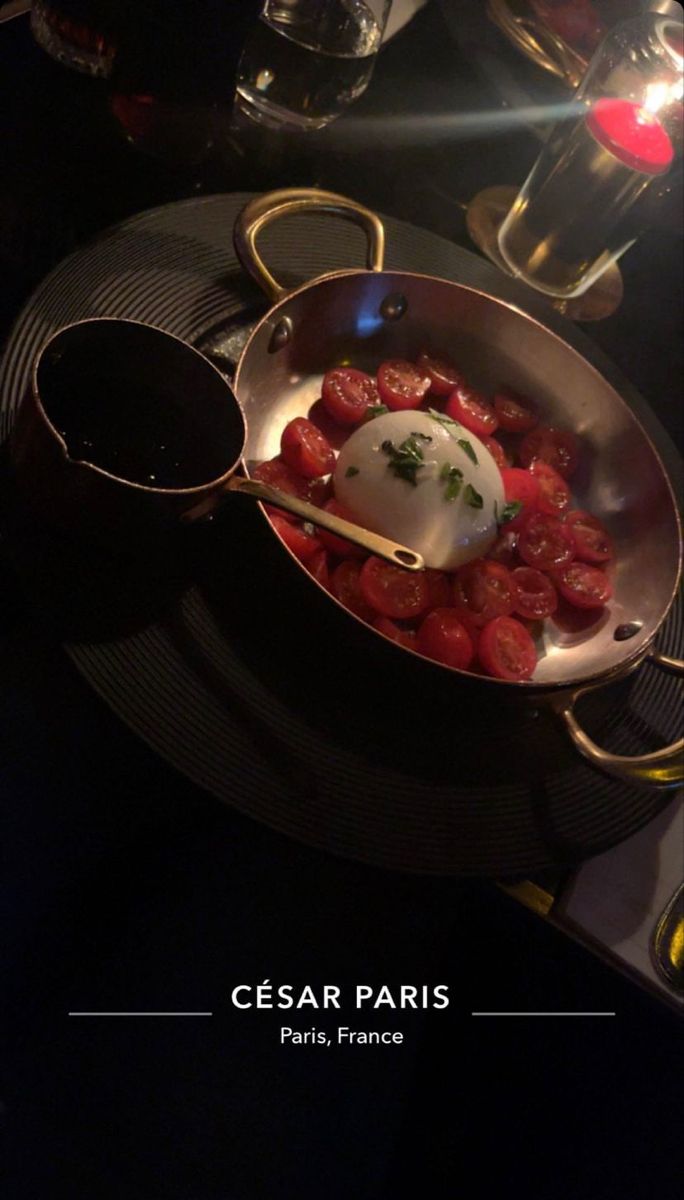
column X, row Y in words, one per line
column 125, row 888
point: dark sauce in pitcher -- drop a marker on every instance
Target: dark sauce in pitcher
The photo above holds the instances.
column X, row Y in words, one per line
column 141, row 433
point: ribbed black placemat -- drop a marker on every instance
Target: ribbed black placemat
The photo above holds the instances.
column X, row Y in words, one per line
column 248, row 682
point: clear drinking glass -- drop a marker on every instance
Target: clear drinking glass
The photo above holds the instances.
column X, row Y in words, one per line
column 582, row 205
column 306, row 61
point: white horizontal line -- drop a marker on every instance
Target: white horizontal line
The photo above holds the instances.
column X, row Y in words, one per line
column 140, row 1014
column 543, row 1014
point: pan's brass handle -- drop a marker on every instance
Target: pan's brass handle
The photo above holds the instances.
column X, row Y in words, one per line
column 661, row 769
column 398, row 555
column 539, row 41
column 267, row 208
column 672, row 666
column 552, row 52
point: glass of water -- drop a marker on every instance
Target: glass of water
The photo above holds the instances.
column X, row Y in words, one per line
column 306, row 61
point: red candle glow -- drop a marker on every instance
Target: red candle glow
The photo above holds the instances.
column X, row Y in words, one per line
column 632, row 134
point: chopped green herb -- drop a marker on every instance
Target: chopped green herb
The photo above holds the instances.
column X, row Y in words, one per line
column 453, row 487
column 473, row 498
column 350, row 472
column 468, row 448
column 453, row 477
column 407, row 459
column 376, row 410
column 510, row 511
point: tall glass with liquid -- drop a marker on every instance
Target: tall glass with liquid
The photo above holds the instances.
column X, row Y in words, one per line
column 306, row 61
column 583, row 204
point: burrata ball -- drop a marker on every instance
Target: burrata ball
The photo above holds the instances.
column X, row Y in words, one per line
column 425, row 481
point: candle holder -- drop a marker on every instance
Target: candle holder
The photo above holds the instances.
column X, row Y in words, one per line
column 484, row 217
column 595, row 186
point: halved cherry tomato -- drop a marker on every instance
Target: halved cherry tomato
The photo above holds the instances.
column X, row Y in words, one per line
column 392, row 591
column 506, row 650
column 444, row 376
column 401, row 384
column 439, row 588
column 557, row 447
column 332, row 541
column 505, row 548
column 523, row 488
column 302, row 543
column 405, row 637
column 545, row 542
column 583, row 585
column 497, row 452
column 277, row 473
column 345, row 584
column 471, row 629
column 554, row 493
column 472, row 410
column 516, row 413
column 318, row 491
column 347, row 394
column 306, row 450
column 483, row 589
column 443, row 637
column 535, row 595
column 317, row 566
column 593, row 543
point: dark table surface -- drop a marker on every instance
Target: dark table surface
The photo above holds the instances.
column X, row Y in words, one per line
column 126, row 888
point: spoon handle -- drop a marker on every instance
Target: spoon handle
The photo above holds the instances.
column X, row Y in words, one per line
column 393, row 552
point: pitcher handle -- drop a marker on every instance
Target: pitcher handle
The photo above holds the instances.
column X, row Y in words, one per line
column 262, row 210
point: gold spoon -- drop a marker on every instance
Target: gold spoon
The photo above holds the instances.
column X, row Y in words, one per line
column 393, row 552
column 374, row 543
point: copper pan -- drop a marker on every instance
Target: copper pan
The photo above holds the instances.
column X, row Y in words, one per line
column 363, row 316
